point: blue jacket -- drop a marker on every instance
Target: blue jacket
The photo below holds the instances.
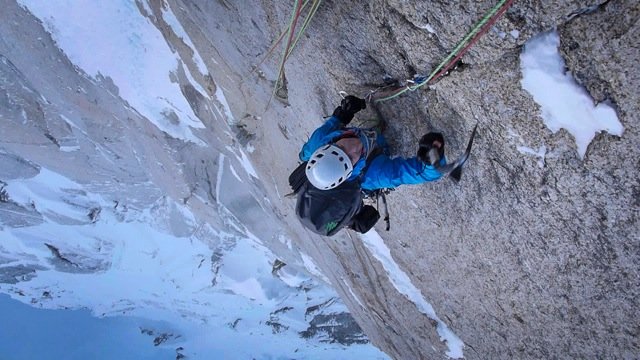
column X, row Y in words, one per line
column 384, row 171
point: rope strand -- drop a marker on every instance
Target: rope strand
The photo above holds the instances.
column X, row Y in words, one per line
column 463, row 46
column 275, row 43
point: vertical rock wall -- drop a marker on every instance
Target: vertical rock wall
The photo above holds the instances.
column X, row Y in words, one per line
column 527, row 257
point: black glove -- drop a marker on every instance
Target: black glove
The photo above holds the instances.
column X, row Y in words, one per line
column 428, row 151
column 348, row 107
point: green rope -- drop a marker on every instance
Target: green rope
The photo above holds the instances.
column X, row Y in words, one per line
column 307, row 20
column 292, row 24
column 275, row 43
column 452, row 54
column 464, row 41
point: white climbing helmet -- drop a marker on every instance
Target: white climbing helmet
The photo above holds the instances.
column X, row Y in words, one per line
column 328, row 167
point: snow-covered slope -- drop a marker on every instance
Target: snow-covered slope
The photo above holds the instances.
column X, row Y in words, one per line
column 123, row 190
column 218, row 286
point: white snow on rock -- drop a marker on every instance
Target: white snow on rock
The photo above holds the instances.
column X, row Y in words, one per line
column 177, row 28
column 313, row 268
column 195, row 83
column 157, row 264
column 428, row 27
column 501, row 34
column 540, row 153
column 235, row 174
column 69, row 148
column 403, row 284
column 353, row 294
column 563, row 102
column 244, row 161
column 226, row 109
column 54, row 195
column 221, row 158
column 113, row 39
column 213, row 289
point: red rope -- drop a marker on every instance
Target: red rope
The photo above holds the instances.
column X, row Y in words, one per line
column 450, row 64
column 291, row 33
column 482, row 31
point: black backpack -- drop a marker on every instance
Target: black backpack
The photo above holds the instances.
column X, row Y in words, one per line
column 325, row 212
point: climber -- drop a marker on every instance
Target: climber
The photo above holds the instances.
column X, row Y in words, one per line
column 336, row 153
column 342, row 164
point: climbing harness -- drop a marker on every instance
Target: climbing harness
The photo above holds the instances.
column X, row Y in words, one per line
column 450, row 61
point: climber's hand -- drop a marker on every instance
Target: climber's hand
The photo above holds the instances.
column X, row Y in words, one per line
column 348, row 107
column 353, row 104
column 431, row 148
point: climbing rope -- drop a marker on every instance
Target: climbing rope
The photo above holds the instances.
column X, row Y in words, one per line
column 290, row 30
column 284, row 32
column 307, row 20
column 471, row 38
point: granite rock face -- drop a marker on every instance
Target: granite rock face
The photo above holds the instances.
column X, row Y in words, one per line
column 528, row 256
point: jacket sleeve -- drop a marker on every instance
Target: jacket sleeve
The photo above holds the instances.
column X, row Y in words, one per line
column 318, row 138
column 385, row 172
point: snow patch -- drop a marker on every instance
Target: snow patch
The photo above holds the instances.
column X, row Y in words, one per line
column 403, row 284
column 286, row 241
column 292, row 279
column 53, row 195
column 313, row 268
column 275, row 186
column 226, row 109
column 193, row 82
column 564, row 103
column 244, row 161
column 113, row 39
column 219, row 176
column 353, row 294
column 540, row 153
column 233, row 171
column 69, row 148
column 157, row 275
column 170, row 18
column 501, row 34
column 248, row 167
column 427, row 27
